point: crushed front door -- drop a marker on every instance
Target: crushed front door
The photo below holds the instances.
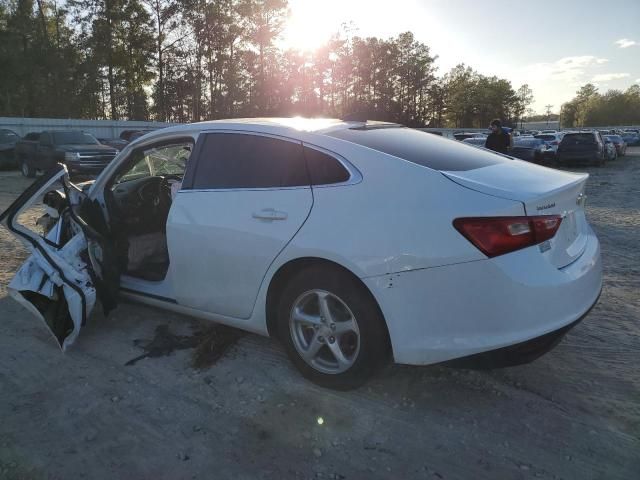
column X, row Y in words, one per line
column 70, row 264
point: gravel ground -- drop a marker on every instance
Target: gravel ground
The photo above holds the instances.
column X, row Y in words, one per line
column 573, row 414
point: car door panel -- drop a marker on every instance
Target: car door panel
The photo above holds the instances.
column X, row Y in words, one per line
column 221, row 243
column 55, row 283
column 245, row 196
column 51, row 284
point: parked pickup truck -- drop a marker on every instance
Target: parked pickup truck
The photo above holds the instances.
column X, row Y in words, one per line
column 79, row 151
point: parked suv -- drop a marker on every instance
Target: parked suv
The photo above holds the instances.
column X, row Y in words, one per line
column 8, row 140
column 78, row 150
column 583, row 147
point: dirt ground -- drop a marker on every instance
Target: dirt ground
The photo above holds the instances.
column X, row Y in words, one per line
column 573, row 414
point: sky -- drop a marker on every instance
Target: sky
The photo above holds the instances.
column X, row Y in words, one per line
column 553, row 46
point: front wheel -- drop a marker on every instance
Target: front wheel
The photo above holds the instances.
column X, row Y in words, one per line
column 26, row 169
column 332, row 328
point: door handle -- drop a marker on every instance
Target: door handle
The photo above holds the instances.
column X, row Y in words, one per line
column 270, row 214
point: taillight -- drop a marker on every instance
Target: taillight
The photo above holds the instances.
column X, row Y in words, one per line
column 495, row 236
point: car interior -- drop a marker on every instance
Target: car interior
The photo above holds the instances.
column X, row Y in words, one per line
column 138, row 198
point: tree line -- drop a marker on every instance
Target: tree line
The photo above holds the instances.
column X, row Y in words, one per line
column 192, row 60
column 590, row 108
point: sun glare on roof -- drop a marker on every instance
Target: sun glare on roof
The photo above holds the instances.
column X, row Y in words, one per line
column 308, row 124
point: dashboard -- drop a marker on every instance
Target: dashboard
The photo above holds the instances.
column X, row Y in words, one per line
column 142, row 205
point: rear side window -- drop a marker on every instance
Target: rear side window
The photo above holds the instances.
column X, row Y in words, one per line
column 229, row 160
column 421, row 148
column 323, row 168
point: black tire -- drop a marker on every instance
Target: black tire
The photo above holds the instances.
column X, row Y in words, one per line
column 374, row 346
column 26, row 169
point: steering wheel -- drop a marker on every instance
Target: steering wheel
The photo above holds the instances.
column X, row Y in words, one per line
column 156, row 195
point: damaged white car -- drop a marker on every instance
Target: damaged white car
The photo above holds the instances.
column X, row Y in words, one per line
column 351, row 242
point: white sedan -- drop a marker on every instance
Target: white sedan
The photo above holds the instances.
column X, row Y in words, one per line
column 350, row 242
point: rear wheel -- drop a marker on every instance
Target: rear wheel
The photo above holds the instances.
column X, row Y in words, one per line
column 26, row 169
column 332, row 328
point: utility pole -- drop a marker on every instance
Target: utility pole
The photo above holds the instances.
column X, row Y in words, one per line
column 548, row 107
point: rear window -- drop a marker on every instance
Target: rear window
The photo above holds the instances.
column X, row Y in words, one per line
column 421, row 148
column 579, row 138
column 528, row 142
column 546, row 137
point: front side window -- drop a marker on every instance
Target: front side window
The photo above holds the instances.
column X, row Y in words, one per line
column 157, row 161
column 234, row 160
column 74, row 138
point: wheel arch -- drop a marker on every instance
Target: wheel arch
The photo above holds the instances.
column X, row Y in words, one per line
column 290, row 268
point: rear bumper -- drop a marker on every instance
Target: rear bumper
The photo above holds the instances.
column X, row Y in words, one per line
column 578, row 157
column 520, row 353
column 444, row 313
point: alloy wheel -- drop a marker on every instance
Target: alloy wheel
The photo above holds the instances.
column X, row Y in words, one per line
column 324, row 331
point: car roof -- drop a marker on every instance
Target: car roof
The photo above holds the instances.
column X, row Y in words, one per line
column 66, row 130
column 281, row 125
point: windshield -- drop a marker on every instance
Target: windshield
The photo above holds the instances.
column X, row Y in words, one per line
column 165, row 160
column 8, row 137
column 74, row 138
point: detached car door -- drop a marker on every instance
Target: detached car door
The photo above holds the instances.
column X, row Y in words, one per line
column 244, row 197
column 71, row 263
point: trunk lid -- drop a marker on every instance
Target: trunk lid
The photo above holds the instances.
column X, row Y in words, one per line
column 542, row 191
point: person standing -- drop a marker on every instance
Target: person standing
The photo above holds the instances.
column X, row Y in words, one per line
column 498, row 140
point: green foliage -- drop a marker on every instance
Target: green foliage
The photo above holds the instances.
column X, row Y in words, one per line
column 190, row 60
column 589, row 108
column 473, row 100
